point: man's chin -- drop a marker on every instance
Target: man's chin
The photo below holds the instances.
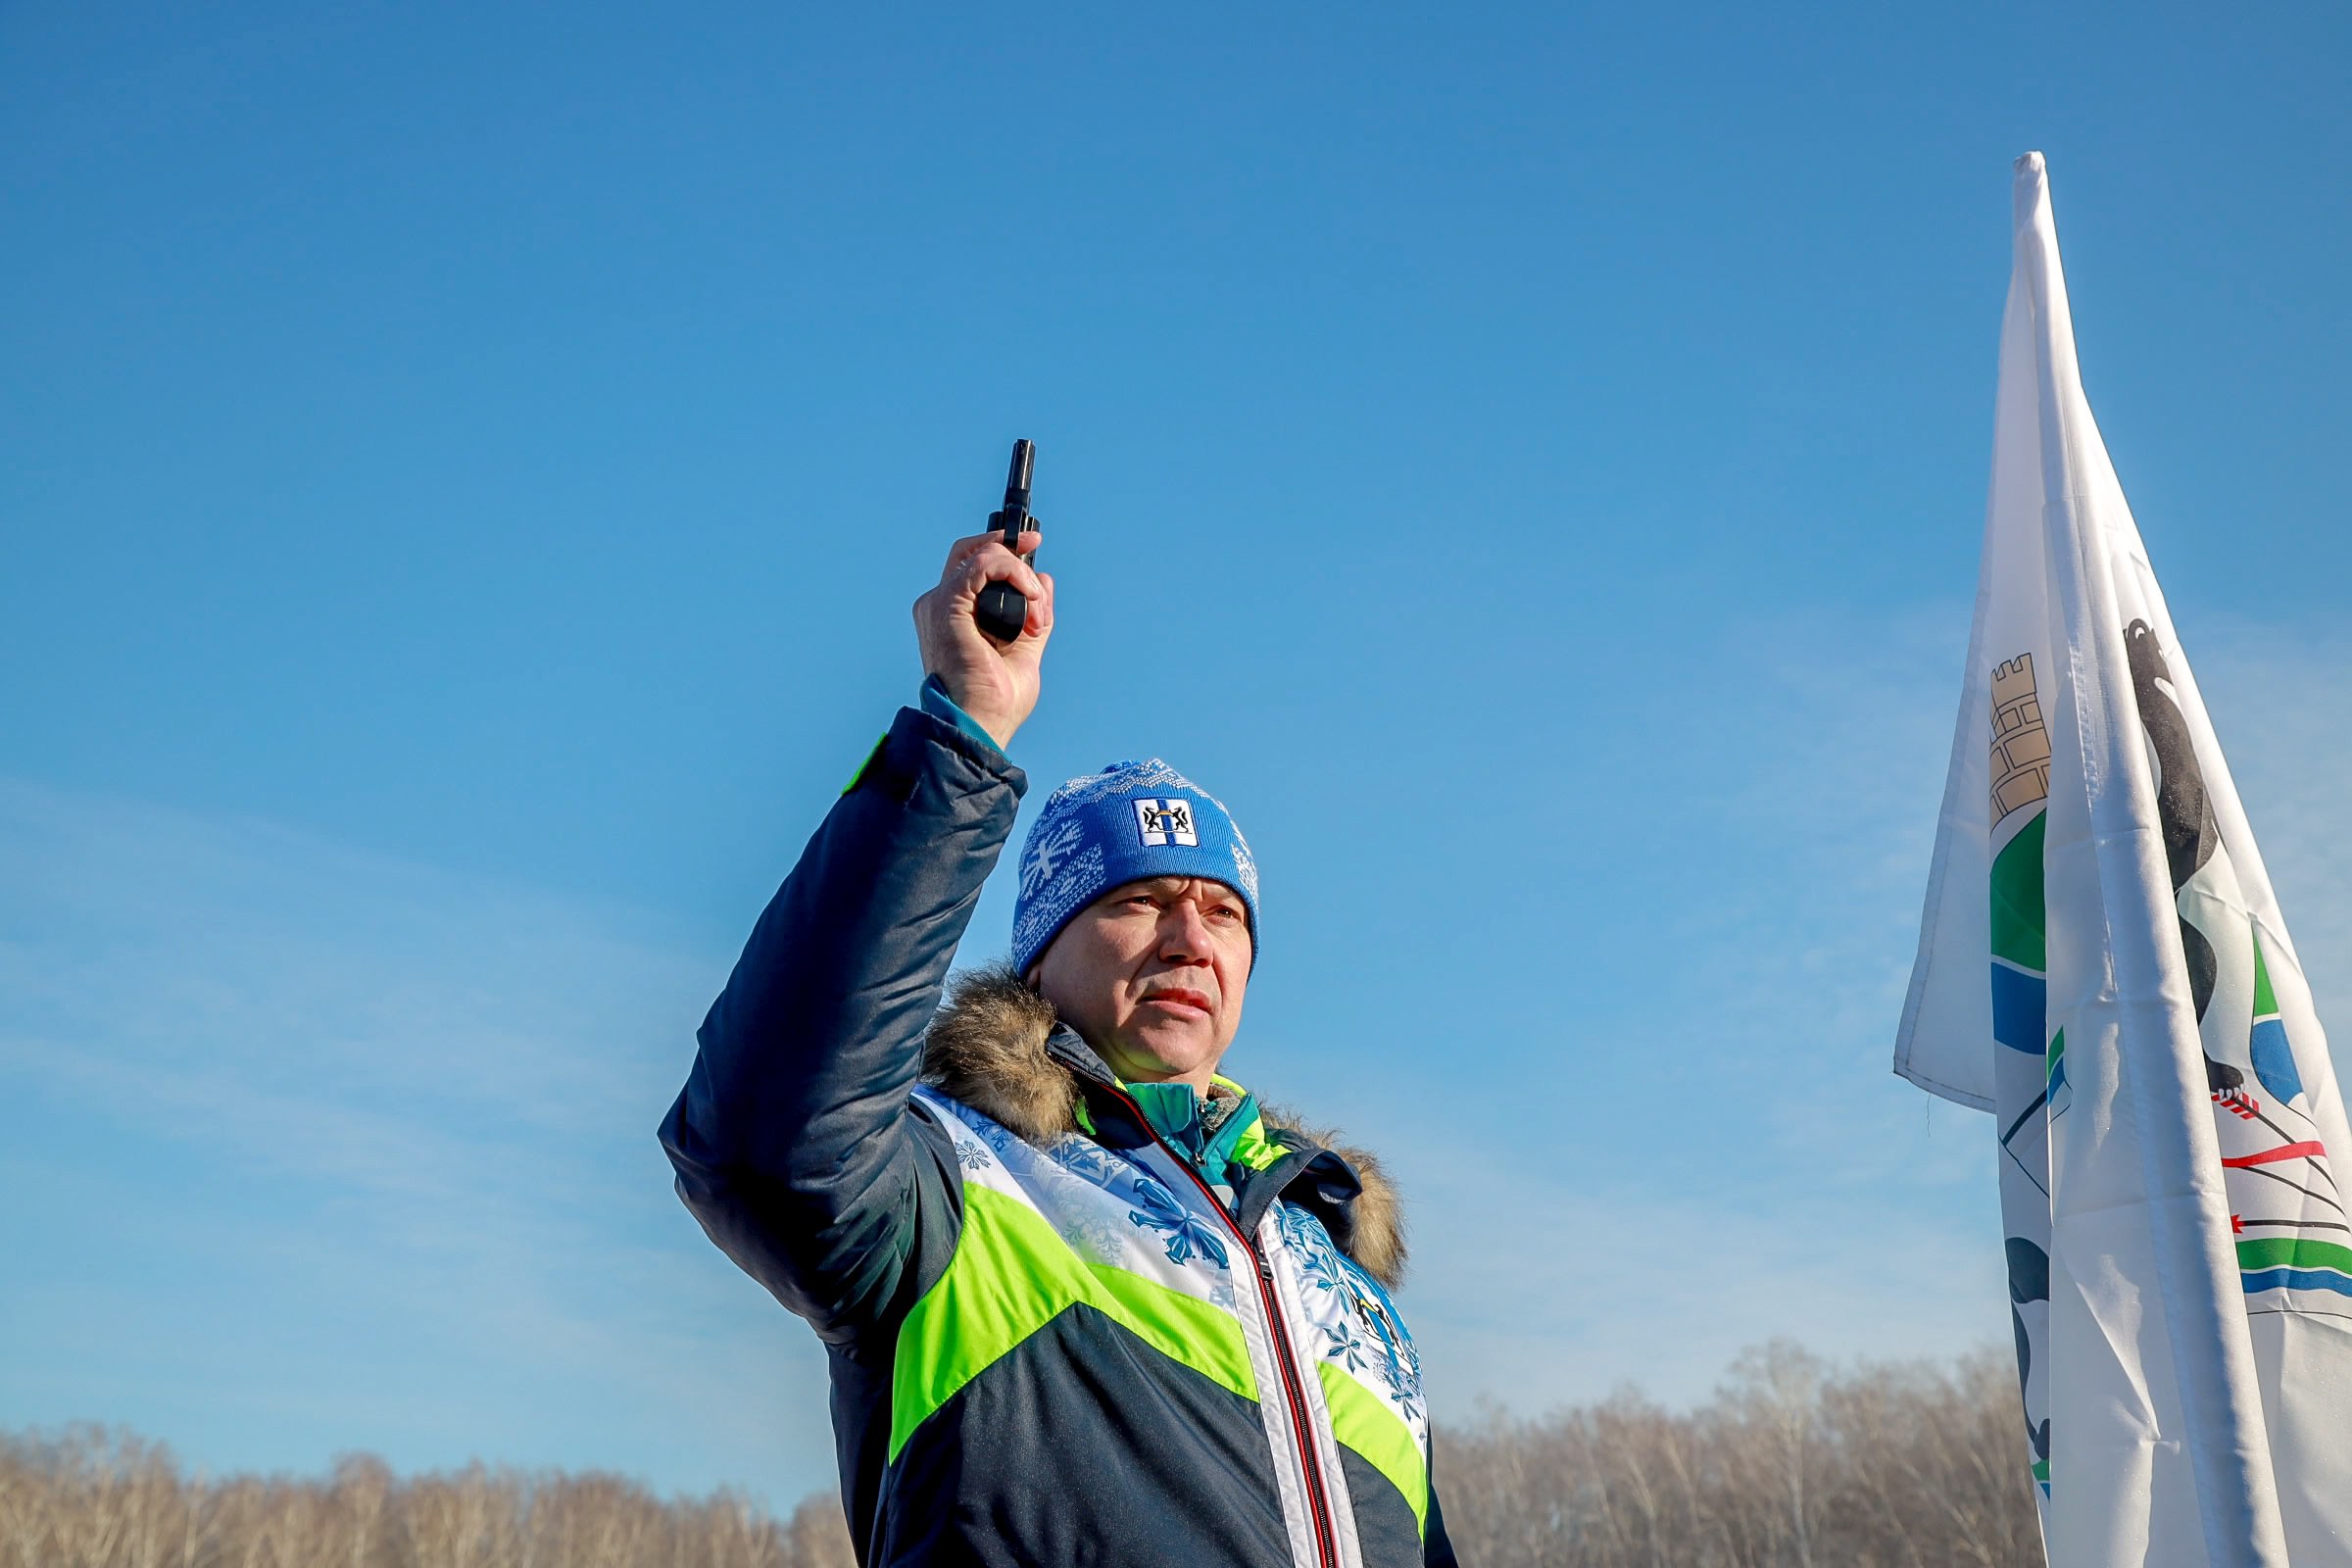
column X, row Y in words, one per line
column 1167, row 1052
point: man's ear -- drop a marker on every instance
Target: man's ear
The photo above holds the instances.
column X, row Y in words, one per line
column 1030, row 978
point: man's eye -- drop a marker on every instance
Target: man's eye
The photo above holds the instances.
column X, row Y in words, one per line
column 1227, row 911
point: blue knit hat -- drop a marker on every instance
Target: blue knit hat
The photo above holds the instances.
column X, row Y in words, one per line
column 1129, row 821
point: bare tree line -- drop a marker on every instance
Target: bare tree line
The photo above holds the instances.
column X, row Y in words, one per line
column 1792, row 1464
column 94, row 1498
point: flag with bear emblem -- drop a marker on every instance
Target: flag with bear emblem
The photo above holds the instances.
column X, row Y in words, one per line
column 2103, row 966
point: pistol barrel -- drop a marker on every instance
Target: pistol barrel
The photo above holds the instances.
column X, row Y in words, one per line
column 1017, row 479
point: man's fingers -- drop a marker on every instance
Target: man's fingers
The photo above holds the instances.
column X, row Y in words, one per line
column 1040, row 608
column 992, row 563
column 962, row 550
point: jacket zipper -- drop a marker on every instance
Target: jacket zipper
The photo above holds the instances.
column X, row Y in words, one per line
column 1317, row 1503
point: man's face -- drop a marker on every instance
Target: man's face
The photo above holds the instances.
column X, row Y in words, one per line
column 1151, row 974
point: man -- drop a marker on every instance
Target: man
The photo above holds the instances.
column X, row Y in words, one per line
column 1086, row 1301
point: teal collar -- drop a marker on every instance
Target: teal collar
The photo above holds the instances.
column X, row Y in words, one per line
column 1205, row 1133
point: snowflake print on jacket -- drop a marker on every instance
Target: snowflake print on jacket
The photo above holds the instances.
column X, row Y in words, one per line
column 1399, row 1362
column 1187, row 1234
column 1318, row 1259
column 1347, row 1346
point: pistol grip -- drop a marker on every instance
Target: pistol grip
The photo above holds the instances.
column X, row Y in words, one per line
column 1002, row 611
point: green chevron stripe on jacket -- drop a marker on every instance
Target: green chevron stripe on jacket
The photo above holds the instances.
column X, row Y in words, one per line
column 1010, row 1276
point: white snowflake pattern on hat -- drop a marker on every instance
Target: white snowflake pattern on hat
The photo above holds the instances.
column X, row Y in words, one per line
column 1245, row 864
column 1074, row 882
column 1048, row 851
column 1118, row 779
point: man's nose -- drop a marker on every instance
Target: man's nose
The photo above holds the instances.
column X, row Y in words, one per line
column 1184, row 934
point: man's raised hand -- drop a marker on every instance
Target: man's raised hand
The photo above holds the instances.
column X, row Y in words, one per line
column 995, row 684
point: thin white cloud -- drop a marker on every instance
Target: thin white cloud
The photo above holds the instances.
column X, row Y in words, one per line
column 423, row 1108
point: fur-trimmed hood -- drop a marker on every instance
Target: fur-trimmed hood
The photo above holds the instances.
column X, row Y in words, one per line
column 988, row 1047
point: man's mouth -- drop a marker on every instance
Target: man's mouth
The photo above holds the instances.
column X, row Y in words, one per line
column 1187, row 1004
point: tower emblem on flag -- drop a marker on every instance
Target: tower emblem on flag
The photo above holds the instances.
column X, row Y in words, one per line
column 1166, row 822
column 2021, row 742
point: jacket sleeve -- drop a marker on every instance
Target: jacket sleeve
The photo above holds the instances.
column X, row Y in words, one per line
column 794, row 1141
column 1437, row 1549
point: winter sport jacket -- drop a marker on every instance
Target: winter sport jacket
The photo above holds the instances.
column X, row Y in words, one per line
column 1050, row 1344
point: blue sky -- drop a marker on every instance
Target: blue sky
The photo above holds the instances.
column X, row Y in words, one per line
column 468, row 468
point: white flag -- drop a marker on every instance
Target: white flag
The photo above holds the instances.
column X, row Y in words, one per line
column 2103, row 966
